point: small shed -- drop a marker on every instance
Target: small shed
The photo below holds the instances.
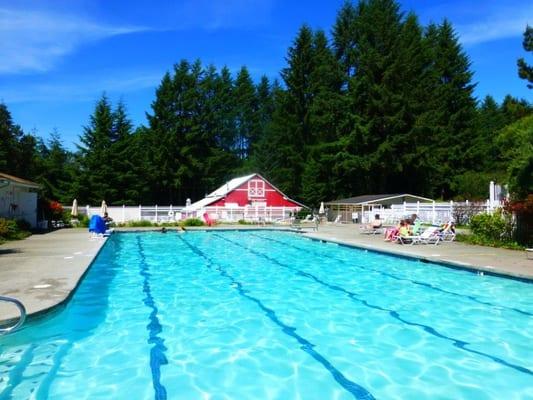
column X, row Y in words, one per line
column 246, row 197
column 18, row 198
column 360, row 207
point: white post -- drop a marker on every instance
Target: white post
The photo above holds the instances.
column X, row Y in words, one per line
column 433, row 215
column 156, row 213
column 404, row 207
column 88, row 211
column 450, row 217
column 140, row 212
column 123, row 213
column 492, row 193
column 488, row 207
column 418, row 207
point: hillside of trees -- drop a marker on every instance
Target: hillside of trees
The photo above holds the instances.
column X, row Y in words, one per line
column 381, row 105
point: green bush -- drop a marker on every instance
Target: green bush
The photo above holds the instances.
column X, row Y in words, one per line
column 491, row 226
column 474, row 239
column 139, row 224
column 192, row 222
column 168, row 224
column 83, row 220
column 13, row 230
column 23, row 225
column 243, row 222
column 493, row 230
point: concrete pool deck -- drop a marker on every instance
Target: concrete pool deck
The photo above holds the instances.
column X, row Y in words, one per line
column 43, row 270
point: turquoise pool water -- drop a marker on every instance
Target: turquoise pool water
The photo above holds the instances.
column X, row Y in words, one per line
column 272, row 315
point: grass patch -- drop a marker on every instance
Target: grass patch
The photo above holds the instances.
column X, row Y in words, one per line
column 482, row 241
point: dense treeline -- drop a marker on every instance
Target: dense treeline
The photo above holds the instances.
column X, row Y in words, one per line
column 386, row 105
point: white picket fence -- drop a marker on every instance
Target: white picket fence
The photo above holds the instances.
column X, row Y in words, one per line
column 434, row 213
column 172, row 213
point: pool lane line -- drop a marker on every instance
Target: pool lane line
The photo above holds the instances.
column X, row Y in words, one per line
column 393, row 313
column 16, row 374
column 157, row 352
column 428, row 285
column 357, row 391
column 44, row 387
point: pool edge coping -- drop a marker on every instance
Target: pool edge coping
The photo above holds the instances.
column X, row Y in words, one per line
column 429, row 259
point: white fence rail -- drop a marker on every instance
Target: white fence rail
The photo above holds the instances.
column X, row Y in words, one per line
column 434, row 213
column 251, row 213
column 171, row 213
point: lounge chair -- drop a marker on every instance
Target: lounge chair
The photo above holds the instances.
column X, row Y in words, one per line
column 429, row 236
column 448, row 233
column 374, row 228
column 297, row 224
column 371, row 230
column 208, row 220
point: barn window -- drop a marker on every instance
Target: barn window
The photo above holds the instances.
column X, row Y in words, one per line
column 256, row 188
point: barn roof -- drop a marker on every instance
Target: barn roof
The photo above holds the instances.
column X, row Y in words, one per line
column 227, row 188
column 379, row 199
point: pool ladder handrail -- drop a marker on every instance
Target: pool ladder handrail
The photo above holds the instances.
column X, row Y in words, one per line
column 22, row 317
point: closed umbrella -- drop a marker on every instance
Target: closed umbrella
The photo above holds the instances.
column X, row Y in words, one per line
column 74, row 211
column 103, row 208
column 321, row 210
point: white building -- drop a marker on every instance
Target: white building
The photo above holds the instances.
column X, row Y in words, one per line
column 18, row 198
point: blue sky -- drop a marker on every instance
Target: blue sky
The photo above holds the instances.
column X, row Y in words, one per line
column 56, row 58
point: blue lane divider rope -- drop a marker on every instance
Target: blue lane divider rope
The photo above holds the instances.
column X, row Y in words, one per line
column 157, row 352
column 398, row 278
column 394, row 314
column 357, row 391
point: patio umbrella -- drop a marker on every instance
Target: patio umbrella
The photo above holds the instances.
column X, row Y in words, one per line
column 321, row 210
column 74, row 211
column 103, row 208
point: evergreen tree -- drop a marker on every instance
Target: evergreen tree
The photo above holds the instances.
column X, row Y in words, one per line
column 56, row 169
column 451, row 116
column 514, row 109
column 246, row 123
column 525, row 71
column 95, row 178
column 516, row 143
column 10, row 136
column 123, row 158
column 376, row 71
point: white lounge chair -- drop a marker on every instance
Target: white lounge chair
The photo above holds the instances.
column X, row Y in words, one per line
column 448, row 233
column 429, row 236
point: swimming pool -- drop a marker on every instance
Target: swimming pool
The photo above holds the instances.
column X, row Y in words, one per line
column 273, row 315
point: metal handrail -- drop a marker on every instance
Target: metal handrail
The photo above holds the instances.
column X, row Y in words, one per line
column 22, row 318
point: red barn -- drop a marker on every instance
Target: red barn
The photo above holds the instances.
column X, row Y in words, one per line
column 249, row 197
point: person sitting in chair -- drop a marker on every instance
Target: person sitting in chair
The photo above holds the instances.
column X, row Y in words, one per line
column 375, row 224
column 108, row 220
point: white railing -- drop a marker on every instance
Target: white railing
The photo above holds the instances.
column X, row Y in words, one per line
column 121, row 214
column 434, row 213
column 250, row 213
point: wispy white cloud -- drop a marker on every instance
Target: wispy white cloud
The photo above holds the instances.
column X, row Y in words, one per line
column 81, row 88
column 35, row 40
column 220, row 14
column 500, row 23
